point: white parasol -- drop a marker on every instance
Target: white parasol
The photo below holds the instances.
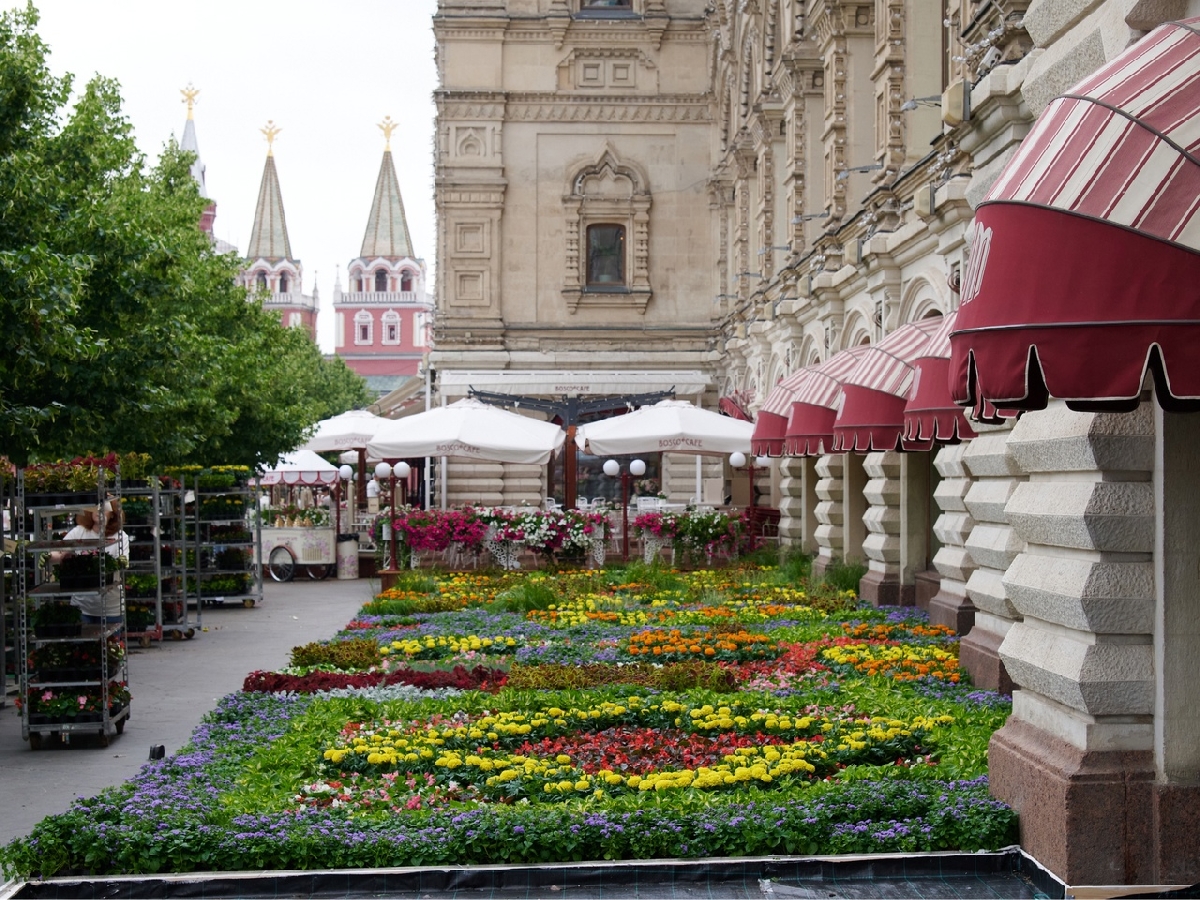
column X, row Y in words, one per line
column 669, row 426
column 301, row 467
column 468, row 429
column 351, row 430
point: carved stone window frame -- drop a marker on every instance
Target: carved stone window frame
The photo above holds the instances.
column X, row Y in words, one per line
column 584, row 206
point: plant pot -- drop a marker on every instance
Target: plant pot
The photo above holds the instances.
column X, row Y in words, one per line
column 61, row 498
column 88, row 582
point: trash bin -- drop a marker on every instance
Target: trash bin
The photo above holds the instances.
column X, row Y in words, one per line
column 347, row 556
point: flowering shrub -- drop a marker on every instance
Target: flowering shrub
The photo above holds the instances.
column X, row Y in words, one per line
column 479, row 678
column 663, row 526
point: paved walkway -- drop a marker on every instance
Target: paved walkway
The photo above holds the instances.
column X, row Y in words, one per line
column 173, row 683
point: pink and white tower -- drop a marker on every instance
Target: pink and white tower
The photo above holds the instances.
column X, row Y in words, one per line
column 383, row 319
column 271, row 272
column 191, row 145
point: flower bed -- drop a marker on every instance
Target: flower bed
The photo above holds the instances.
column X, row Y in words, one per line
column 614, row 714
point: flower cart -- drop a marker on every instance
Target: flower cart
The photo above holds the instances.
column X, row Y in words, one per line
column 300, row 534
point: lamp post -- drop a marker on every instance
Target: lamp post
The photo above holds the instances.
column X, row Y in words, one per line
column 345, row 473
column 403, row 470
column 637, row 469
column 383, row 471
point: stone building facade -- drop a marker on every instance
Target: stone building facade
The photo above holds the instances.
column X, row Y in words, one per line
column 742, row 189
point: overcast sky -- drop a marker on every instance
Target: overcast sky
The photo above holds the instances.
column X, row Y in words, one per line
column 325, row 72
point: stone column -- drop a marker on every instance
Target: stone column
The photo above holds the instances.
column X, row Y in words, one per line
column 881, row 547
column 992, row 545
column 798, row 503
column 1076, row 757
column 1175, row 807
column 951, row 606
column 830, row 491
column 916, row 498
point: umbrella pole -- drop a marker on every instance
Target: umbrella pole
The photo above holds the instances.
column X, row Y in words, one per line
column 570, row 475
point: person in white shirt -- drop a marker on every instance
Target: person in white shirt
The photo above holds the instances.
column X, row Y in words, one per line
column 106, row 603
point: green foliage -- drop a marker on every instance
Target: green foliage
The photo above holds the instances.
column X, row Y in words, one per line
column 124, row 328
column 345, row 655
column 530, row 594
column 843, row 575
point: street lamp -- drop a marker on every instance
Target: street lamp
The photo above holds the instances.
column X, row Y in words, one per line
column 345, row 473
column 637, row 468
column 383, row 471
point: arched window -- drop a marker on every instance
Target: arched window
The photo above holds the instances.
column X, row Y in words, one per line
column 391, row 327
column 283, row 282
column 605, row 255
column 381, row 280
column 260, row 280
column 363, row 323
column 406, row 281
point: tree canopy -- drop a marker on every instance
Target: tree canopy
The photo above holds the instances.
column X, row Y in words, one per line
column 123, row 328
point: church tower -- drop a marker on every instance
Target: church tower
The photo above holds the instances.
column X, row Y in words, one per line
column 382, row 318
column 271, row 272
column 190, row 145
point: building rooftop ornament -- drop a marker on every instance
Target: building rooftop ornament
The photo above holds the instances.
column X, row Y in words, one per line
column 269, row 132
column 269, row 236
column 189, row 97
column 387, row 228
column 387, row 126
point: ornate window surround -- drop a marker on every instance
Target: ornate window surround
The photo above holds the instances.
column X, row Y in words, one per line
column 362, row 317
column 388, row 321
column 607, row 192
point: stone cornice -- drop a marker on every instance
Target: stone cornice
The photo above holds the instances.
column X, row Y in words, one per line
column 555, row 107
column 469, row 104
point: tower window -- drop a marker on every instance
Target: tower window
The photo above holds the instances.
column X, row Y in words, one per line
column 362, row 327
column 381, row 280
column 606, row 255
column 260, row 280
column 406, row 283
column 283, row 282
column 391, row 327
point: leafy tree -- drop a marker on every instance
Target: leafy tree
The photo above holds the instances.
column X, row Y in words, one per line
column 124, row 328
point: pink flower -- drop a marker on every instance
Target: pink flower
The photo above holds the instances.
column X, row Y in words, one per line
column 82, row 701
column 48, row 695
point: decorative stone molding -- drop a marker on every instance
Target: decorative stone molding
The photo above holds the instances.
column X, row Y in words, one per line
column 612, row 192
column 992, row 546
column 656, row 108
column 882, row 583
column 797, row 504
column 830, row 534
column 607, row 68
column 951, row 606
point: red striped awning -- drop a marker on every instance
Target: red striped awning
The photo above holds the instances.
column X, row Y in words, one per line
column 871, row 415
column 815, row 402
column 1084, row 267
column 930, row 415
column 733, row 409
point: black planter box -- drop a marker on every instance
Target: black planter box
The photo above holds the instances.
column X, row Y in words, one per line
column 88, row 582
column 61, row 498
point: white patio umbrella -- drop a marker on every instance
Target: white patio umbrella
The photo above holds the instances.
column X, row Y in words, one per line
column 301, row 467
column 469, row 429
column 669, row 426
column 351, row 430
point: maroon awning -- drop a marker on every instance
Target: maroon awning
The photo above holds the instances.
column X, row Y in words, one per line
column 871, row 414
column 814, row 403
column 1084, row 267
column 769, row 430
column 930, row 415
column 733, row 409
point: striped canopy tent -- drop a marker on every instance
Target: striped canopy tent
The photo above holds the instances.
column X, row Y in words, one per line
column 930, row 415
column 771, row 424
column 815, row 403
column 1084, row 267
column 871, row 414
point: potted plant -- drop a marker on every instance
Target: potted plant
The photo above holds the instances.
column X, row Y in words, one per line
column 86, row 570
column 141, row 584
column 57, row 619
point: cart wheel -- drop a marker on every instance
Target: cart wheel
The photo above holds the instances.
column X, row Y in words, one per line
column 144, row 640
column 281, row 564
column 104, row 739
column 249, row 601
column 35, row 740
column 121, row 725
column 176, row 635
column 317, row 573
column 189, row 634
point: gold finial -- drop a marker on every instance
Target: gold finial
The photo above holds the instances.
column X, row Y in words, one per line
column 387, row 126
column 269, row 133
column 189, row 97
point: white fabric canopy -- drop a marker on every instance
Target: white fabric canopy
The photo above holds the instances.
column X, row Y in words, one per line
column 348, row 431
column 301, row 467
column 551, row 383
column 469, row 429
column 670, row 426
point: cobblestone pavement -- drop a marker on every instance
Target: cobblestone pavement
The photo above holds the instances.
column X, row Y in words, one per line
column 173, row 683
